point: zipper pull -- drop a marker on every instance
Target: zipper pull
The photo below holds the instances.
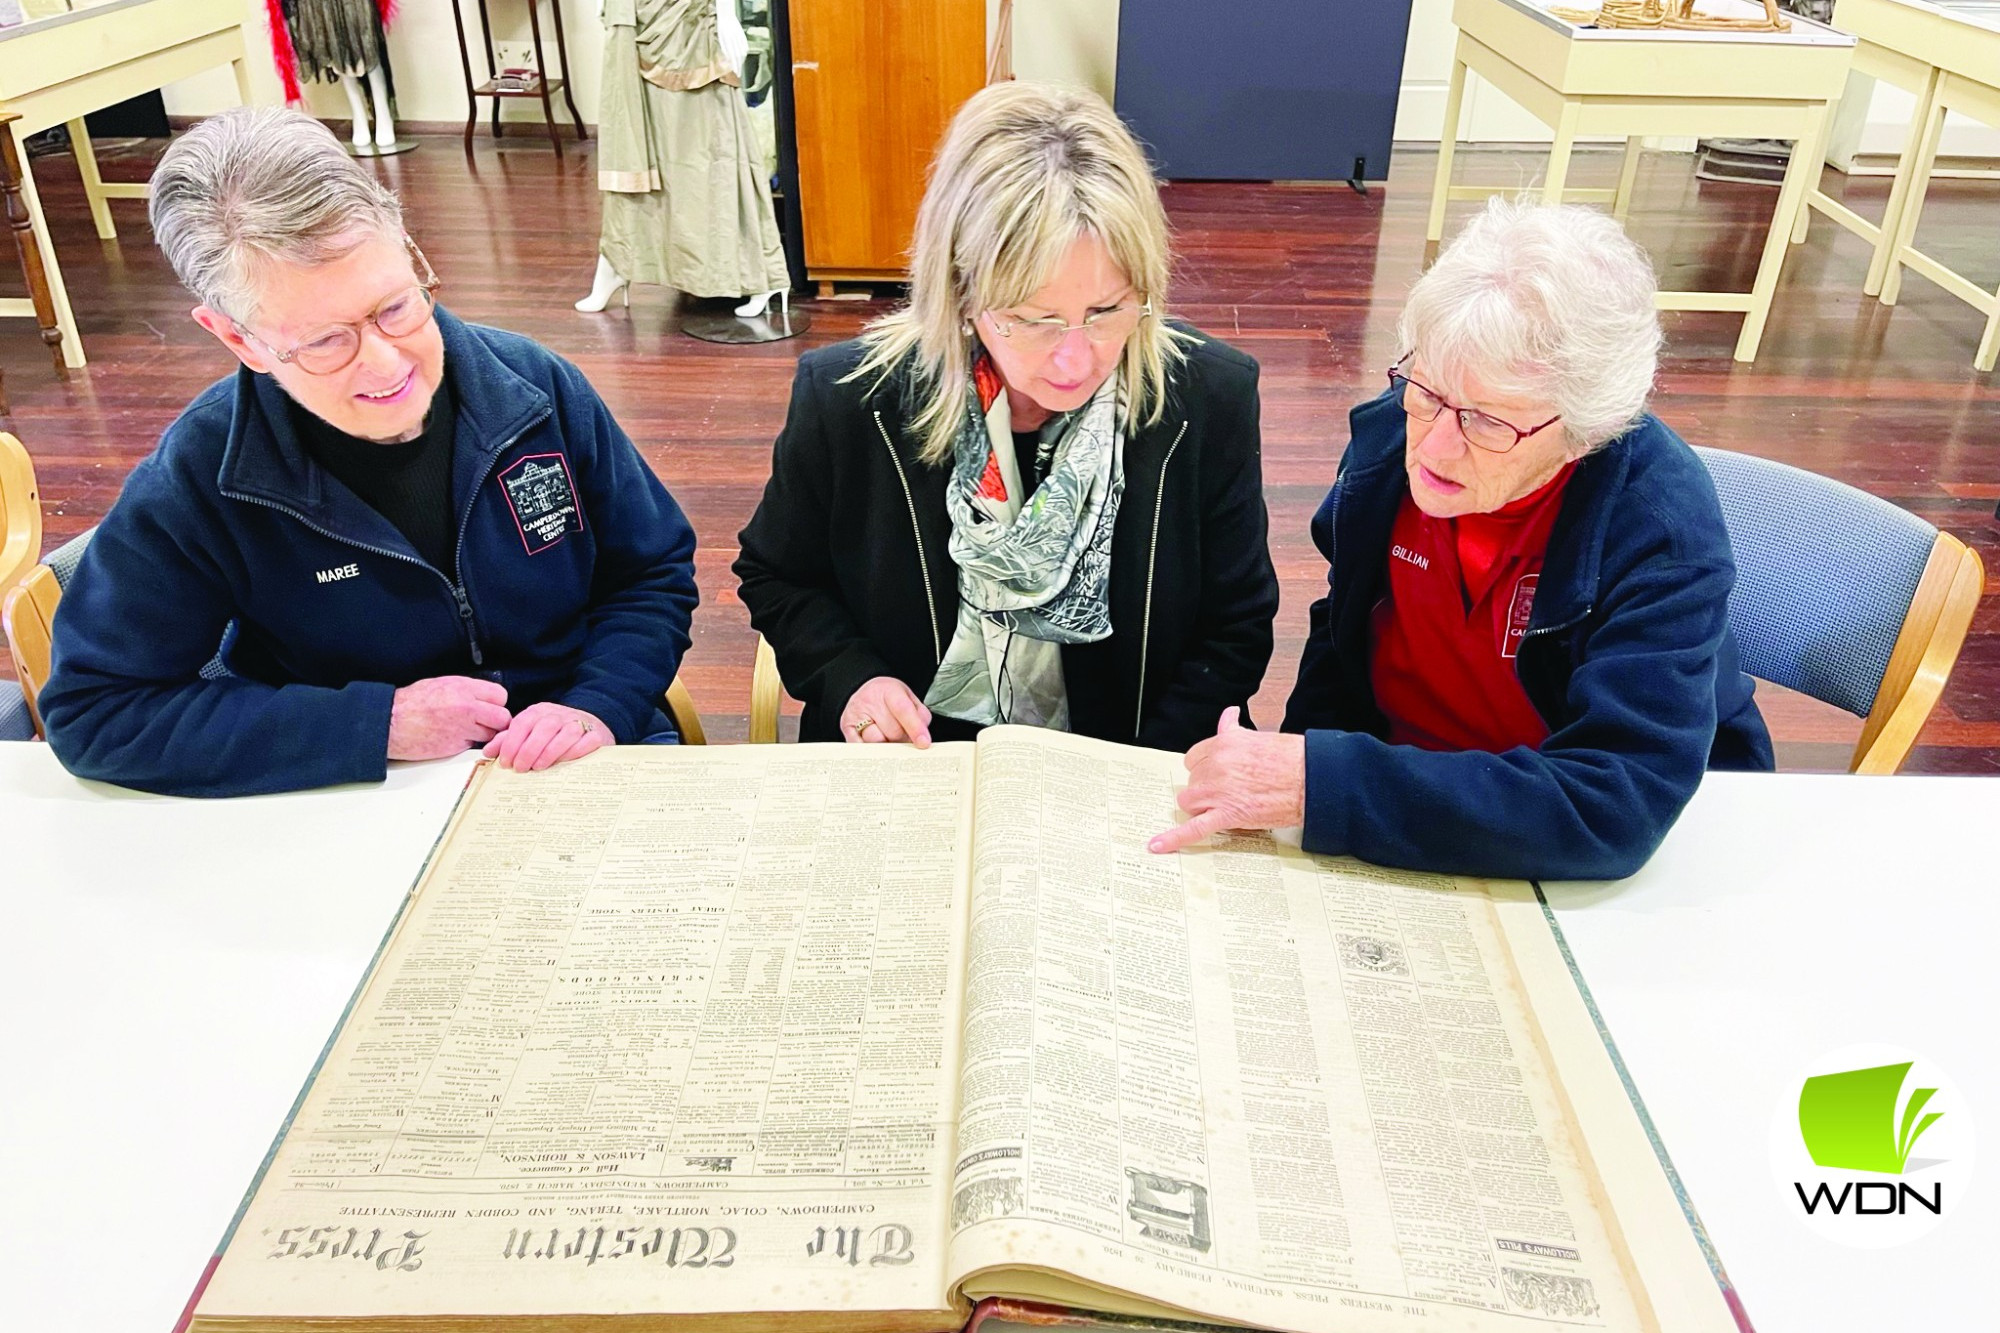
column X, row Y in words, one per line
column 465, row 615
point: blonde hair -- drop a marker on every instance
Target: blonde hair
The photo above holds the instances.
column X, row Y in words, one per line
column 1023, row 172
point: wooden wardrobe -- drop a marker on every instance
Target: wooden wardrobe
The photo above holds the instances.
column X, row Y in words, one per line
column 874, row 83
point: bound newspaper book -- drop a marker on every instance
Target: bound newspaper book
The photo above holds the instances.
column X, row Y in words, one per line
column 851, row 1037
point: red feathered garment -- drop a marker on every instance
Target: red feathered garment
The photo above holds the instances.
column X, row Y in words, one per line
column 286, row 59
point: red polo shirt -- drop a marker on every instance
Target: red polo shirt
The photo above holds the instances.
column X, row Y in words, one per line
column 1447, row 631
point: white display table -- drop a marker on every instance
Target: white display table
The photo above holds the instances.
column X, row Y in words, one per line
column 55, row 71
column 1600, row 81
column 1948, row 55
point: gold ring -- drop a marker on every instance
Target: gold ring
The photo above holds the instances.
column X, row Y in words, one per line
column 587, row 728
column 862, row 724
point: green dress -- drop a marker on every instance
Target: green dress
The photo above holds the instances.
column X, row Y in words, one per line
column 686, row 201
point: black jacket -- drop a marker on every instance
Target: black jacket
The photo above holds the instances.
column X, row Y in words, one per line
column 846, row 569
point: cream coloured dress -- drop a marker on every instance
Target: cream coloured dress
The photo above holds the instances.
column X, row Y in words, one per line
column 686, row 201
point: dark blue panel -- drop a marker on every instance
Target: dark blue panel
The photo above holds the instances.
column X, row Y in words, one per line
column 1262, row 89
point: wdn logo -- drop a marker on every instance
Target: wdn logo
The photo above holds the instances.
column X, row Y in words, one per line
column 1875, row 1150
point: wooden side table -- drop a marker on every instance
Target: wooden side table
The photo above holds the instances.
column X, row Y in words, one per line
column 1630, row 84
column 543, row 86
column 39, row 302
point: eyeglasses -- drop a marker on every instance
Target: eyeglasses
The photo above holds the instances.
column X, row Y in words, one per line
column 1045, row 335
column 1488, row 432
column 334, row 348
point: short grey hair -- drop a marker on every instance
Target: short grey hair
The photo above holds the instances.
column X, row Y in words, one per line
column 1549, row 301
column 257, row 184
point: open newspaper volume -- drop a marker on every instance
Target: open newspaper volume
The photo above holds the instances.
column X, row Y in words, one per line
column 851, row 1037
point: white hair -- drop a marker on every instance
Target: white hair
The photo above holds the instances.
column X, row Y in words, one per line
column 1546, row 301
column 258, row 184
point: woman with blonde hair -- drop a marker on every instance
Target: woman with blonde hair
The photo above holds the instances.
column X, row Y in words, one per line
column 1026, row 496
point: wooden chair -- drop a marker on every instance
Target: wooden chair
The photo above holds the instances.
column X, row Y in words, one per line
column 20, row 513
column 687, row 718
column 29, row 614
column 1845, row 597
column 767, row 690
column 20, row 547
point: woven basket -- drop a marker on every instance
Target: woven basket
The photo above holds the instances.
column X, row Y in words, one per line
column 1684, row 14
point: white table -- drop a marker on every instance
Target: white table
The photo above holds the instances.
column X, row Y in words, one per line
column 1784, row 918
column 170, row 969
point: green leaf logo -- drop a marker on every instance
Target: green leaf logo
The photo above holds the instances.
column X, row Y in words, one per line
column 1848, row 1120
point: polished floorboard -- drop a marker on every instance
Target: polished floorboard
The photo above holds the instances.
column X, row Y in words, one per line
column 1307, row 278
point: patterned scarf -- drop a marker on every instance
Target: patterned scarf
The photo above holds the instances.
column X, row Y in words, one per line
column 1032, row 578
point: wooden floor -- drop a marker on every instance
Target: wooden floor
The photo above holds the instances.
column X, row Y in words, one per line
column 1308, row 279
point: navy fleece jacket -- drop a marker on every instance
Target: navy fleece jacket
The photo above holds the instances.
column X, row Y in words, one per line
column 1628, row 658
column 574, row 582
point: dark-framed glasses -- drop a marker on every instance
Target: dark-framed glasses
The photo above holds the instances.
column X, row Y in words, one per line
column 1488, row 432
column 333, row 348
column 1046, row 334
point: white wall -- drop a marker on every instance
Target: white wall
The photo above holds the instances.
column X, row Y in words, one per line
column 1888, row 128
column 1067, row 41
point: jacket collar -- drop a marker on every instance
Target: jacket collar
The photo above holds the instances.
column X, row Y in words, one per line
column 265, row 460
column 1374, row 481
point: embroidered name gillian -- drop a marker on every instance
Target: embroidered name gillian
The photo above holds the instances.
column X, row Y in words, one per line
column 335, row 575
column 1405, row 553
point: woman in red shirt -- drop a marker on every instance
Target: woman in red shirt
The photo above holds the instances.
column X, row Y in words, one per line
column 1523, row 663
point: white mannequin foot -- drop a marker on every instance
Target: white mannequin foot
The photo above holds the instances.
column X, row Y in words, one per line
column 603, row 287
column 757, row 305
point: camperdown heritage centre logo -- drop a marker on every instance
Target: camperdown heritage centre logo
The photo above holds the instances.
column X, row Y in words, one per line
column 1874, row 1149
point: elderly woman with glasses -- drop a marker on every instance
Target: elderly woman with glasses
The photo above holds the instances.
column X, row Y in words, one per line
column 1523, row 663
column 406, row 535
column 1027, row 497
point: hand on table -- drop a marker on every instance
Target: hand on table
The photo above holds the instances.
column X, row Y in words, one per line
column 1239, row 778
column 445, row 715
column 884, row 709
column 543, row 735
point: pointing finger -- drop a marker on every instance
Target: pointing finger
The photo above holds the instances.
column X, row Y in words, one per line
column 1189, row 832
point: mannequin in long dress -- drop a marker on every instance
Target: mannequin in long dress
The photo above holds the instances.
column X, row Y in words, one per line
column 324, row 40
column 687, row 203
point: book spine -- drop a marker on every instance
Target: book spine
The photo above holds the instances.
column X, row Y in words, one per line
column 1715, row 1268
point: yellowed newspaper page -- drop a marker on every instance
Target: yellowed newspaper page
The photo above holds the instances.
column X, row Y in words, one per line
column 664, row 1030
column 1251, row 1084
